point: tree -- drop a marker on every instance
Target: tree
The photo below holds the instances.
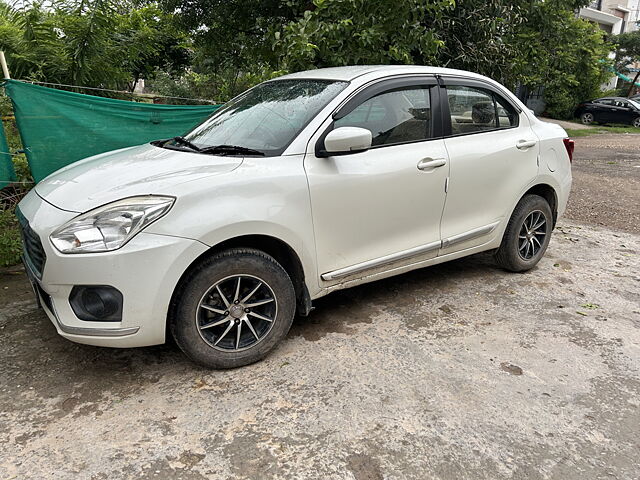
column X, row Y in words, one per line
column 354, row 32
column 231, row 37
column 627, row 52
column 93, row 43
column 564, row 54
column 522, row 42
column 478, row 35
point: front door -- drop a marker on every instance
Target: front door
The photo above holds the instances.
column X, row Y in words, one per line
column 380, row 208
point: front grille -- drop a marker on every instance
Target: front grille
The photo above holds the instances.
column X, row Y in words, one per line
column 31, row 246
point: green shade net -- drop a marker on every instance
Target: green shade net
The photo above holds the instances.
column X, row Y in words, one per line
column 7, row 173
column 58, row 127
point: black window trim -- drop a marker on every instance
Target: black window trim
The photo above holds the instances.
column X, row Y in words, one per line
column 378, row 87
column 445, row 81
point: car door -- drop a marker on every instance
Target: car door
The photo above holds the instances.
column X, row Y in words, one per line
column 492, row 158
column 606, row 110
column 626, row 112
column 380, row 208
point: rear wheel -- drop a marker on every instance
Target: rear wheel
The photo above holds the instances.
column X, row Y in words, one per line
column 587, row 118
column 527, row 235
column 636, row 122
column 233, row 309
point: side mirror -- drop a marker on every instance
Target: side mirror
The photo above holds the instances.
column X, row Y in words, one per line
column 345, row 140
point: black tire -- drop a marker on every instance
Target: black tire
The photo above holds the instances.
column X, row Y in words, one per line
column 200, row 286
column 587, row 118
column 636, row 122
column 512, row 255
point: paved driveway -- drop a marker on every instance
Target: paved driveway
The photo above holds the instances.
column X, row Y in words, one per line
column 459, row 371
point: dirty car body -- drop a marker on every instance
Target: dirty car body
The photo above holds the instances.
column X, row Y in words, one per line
column 309, row 183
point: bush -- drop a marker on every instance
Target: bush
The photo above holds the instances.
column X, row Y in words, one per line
column 10, row 243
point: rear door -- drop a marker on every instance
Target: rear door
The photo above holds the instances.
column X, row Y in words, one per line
column 493, row 156
column 625, row 112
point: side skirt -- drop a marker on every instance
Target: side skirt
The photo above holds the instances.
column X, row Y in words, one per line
column 407, row 254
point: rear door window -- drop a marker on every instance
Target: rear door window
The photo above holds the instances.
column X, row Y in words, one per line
column 475, row 110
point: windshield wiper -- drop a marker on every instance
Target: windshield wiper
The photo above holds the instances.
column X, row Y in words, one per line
column 231, row 150
column 187, row 143
column 176, row 140
column 214, row 149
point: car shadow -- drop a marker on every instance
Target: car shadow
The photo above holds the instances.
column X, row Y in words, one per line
column 37, row 352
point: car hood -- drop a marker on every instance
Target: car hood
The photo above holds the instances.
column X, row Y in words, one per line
column 141, row 170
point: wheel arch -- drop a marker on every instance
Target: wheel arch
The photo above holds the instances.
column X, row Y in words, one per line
column 282, row 252
column 547, row 192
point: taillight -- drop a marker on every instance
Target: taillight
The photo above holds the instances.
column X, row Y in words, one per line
column 569, row 145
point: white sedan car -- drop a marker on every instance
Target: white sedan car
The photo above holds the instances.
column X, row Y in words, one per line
column 302, row 185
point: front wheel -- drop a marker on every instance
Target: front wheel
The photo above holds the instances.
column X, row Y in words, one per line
column 527, row 235
column 587, row 118
column 233, row 309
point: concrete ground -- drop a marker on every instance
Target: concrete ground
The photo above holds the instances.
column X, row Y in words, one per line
column 459, row 371
column 606, row 183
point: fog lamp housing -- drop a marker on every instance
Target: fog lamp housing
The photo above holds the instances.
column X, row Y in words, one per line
column 96, row 303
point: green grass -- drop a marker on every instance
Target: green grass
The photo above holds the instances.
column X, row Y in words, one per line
column 600, row 129
column 10, row 246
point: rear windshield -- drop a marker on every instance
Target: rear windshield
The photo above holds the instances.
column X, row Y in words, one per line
column 268, row 117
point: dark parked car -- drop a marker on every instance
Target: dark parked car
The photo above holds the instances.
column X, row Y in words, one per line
column 610, row 110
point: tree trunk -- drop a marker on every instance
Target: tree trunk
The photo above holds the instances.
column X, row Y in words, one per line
column 633, row 84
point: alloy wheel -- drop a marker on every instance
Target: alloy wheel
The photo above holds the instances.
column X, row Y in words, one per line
column 532, row 235
column 587, row 118
column 636, row 122
column 236, row 313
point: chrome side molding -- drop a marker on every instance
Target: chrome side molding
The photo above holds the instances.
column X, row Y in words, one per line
column 378, row 262
column 412, row 252
column 470, row 235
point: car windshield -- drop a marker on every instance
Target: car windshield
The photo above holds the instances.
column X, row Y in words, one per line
column 266, row 118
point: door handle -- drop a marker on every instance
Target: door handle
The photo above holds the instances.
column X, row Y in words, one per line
column 429, row 163
column 524, row 144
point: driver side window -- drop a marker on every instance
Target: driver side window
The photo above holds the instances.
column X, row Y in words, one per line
column 397, row 116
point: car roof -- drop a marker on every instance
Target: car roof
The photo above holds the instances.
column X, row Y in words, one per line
column 611, row 98
column 350, row 73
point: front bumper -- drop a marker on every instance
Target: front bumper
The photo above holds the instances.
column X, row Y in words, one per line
column 146, row 271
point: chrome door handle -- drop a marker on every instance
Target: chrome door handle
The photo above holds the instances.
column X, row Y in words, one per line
column 524, row 144
column 429, row 163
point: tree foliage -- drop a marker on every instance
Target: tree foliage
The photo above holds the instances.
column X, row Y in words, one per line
column 627, row 48
column 354, row 32
column 478, row 35
column 217, row 48
column 232, row 33
column 564, row 54
column 522, row 42
column 91, row 42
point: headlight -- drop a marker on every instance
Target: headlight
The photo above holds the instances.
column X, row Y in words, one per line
column 109, row 227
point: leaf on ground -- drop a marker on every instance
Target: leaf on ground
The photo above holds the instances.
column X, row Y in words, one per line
column 590, row 306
